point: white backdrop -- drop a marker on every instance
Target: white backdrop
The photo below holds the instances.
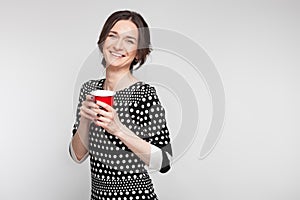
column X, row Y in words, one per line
column 254, row 45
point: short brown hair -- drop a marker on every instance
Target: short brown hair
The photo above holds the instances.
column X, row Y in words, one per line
column 144, row 45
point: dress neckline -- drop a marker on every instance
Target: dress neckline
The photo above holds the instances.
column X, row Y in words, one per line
column 101, row 82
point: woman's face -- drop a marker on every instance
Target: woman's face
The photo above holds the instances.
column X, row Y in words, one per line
column 120, row 46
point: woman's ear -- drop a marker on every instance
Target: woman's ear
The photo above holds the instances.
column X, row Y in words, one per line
column 136, row 60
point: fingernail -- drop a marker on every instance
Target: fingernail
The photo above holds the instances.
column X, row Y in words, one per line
column 98, row 115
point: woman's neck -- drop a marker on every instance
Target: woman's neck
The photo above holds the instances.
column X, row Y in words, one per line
column 118, row 79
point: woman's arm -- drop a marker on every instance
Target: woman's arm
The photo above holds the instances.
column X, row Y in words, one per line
column 150, row 154
column 136, row 144
column 80, row 140
column 79, row 143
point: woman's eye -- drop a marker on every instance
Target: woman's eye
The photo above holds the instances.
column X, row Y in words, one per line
column 130, row 41
column 112, row 36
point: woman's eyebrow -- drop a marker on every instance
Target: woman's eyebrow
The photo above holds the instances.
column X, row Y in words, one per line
column 127, row 36
column 114, row 32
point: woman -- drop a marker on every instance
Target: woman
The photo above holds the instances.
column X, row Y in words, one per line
column 127, row 139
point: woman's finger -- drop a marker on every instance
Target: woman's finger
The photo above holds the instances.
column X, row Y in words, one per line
column 104, row 113
column 87, row 111
column 104, row 119
column 99, row 123
column 89, row 97
column 90, row 104
column 105, row 106
column 83, row 114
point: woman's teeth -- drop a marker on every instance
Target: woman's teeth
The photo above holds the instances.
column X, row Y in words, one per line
column 117, row 54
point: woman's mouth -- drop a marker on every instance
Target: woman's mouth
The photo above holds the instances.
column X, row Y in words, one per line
column 118, row 55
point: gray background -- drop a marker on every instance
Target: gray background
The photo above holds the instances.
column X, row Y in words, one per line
column 254, row 45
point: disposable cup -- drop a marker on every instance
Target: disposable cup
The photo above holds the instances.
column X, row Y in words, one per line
column 105, row 96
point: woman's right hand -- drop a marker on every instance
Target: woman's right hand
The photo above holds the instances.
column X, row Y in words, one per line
column 88, row 109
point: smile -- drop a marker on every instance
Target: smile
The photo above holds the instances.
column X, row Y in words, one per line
column 118, row 55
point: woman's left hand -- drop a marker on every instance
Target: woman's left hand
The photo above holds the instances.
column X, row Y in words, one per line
column 108, row 119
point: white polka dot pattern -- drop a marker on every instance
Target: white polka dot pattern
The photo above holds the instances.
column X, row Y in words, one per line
column 117, row 173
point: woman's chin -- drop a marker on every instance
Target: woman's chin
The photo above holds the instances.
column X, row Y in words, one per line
column 118, row 66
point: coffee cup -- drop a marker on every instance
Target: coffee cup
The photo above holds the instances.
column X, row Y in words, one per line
column 105, row 96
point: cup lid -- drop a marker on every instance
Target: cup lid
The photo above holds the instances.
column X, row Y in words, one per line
column 104, row 93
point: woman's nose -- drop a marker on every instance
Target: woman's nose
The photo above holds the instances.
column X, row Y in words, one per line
column 118, row 44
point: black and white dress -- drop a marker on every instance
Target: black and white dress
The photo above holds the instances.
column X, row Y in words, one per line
column 116, row 172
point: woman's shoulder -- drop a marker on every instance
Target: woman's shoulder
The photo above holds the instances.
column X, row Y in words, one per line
column 93, row 84
column 90, row 85
column 144, row 88
column 145, row 92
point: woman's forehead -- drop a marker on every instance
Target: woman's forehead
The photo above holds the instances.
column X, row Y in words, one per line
column 125, row 27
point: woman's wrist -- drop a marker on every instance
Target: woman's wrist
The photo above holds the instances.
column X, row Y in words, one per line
column 85, row 121
column 83, row 128
column 123, row 130
column 119, row 132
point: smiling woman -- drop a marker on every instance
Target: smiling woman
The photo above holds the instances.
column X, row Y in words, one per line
column 135, row 35
column 130, row 137
column 120, row 46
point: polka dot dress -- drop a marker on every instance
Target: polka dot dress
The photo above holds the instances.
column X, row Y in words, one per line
column 116, row 172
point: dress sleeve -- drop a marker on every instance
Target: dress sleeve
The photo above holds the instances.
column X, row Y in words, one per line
column 153, row 127
column 82, row 95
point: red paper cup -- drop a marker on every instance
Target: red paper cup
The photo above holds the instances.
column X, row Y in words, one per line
column 105, row 96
